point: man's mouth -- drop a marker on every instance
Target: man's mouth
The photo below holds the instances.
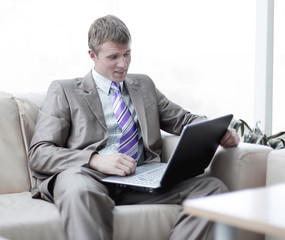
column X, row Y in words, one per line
column 120, row 72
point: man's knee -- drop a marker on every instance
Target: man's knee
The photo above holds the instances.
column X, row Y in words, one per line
column 205, row 186
column 75, row 184
column 220, row 187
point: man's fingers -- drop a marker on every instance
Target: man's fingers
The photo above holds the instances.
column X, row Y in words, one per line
column 114, row 164
column 230, row 139
column 126, row 165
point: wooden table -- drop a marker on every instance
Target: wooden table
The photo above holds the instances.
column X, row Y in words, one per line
column 260, row 210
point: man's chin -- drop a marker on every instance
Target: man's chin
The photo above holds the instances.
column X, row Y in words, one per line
column 119, row 78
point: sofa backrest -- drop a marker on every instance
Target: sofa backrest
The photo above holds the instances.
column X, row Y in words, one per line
column 169, row 143
column 18, row 115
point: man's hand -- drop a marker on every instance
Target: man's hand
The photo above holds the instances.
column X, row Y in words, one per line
column 113, row 164
column 230, row 139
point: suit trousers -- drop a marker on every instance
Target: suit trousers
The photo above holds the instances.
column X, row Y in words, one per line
column 85, row 204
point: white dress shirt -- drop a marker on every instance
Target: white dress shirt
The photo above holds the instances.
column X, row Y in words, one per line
column 103, row 86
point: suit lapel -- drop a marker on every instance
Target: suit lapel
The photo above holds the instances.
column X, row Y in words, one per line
column 137, row 101
column 93, row 99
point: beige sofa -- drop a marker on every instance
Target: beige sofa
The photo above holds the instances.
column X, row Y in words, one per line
column 24, row 218
column 275, row 174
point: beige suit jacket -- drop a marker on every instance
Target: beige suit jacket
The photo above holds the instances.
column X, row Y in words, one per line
column 71, row 125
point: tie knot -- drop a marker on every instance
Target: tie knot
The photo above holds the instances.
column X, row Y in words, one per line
column 115, row 87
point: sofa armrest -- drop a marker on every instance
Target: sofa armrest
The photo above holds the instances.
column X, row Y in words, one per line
column 276, row 167
column 240, row 167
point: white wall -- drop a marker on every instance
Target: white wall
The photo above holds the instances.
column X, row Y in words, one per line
column 199, row 53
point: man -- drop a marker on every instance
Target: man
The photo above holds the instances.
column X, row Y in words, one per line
column 82, row 135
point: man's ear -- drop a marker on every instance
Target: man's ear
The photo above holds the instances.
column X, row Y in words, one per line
column 92, row 55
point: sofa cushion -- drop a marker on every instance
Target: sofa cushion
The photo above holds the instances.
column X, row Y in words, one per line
column 14, row 174
column 25, row 218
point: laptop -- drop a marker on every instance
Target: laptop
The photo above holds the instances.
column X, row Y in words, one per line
column 196, row 147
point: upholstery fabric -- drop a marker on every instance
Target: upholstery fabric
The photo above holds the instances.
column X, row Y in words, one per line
column 28, row 105
column 13, row 157
column 25, row 218
column 276, row 167
column 242, row 163
column 275, row 175
column 169, row 141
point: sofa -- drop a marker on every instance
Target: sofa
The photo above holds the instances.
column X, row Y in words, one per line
column 275, row 174
column 25, row 218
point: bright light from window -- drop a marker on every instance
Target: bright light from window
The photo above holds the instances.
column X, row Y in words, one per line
column 279, row 67
column 199, row 53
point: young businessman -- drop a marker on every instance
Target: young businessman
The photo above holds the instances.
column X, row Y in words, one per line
column 109, row 122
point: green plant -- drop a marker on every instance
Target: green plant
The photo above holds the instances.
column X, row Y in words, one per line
column 256, row 136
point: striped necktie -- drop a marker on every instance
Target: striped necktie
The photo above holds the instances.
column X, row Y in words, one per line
column 129, row 140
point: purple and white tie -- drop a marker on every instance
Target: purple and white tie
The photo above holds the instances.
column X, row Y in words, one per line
column 129, row 140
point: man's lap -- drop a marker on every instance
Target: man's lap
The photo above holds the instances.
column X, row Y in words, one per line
column 190, row 188
column 85, row 180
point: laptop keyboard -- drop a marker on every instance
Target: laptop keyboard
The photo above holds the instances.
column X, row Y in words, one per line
column 149, row 177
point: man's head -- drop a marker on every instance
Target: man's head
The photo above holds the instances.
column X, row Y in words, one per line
column 108, row 28
column 109, row 47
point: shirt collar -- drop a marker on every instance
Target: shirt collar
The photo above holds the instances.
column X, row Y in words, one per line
column 103, row 83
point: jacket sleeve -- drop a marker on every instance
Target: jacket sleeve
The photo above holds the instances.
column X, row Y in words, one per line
column 173, row 118
column 48, row 153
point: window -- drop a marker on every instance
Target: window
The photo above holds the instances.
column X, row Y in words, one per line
column 199, row 53
column 279, row 67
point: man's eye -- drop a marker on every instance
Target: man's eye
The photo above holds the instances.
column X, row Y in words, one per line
column 114, row 57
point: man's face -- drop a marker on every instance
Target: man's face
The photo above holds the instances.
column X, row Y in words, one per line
column 112, row 61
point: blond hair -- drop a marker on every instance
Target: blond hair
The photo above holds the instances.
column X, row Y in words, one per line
column 108, row 28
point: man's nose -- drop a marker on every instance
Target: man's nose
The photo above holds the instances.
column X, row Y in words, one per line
column 122, row 62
